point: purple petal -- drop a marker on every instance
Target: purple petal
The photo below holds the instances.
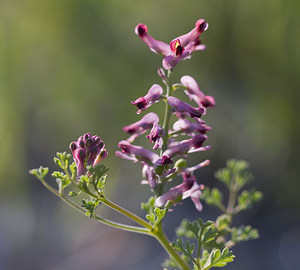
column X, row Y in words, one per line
column 183, row 107
column 154, row 45
column 200, row 26
column 154, row 94
column 138, row 152
column 195, row 93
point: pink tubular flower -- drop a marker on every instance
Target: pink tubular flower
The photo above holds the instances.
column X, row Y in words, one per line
column 156, row 134
column 184, row 126
column 187, row 146
column 136, row 153
column 182, row 107
column 180, row 48
column 149, row 175
column 155, row 46
column 88, row 150
column 194, row 92
column 141, row 126
column 188, row 188
column 154, row 94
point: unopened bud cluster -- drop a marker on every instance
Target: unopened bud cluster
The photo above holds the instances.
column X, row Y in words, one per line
column 87, row 151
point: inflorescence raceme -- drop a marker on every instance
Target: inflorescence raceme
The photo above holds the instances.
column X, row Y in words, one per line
column 159, row 168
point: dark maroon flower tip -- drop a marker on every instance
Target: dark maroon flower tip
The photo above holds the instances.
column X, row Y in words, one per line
column 179, row 50
column 166, row 159
column 130, row 130
column 209, row 101
column 87, row 136
column 201, row 25
column 81, row 155
column 142, row 29
column 101, row 144
column 196, row 115
column 81, row 143
column 140, row 103
column 199, row 140
column 97, row 140
column 73, row 146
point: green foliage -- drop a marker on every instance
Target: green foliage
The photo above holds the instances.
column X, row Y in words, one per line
column 223, row 223
column 148, row 207
column 213, row 197
column 40, row 173
column 218, row 259
column 235, row 175
column 62, row 160
column 186, row 249
column 243, row 233
column 155, row 214
column 248, row 198
column 214, row 239
column 90, row 206
column 198, row 231
column 98, row 177
column 62, row 180
column 93, row 181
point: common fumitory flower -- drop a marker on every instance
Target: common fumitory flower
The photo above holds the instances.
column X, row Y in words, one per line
column 88, row 150
column 188, row 188
column 155, row 46
column 136, row 153
column 198, row 166
column 194, row 92
column 150, row 175
column 156, row 135
column 141, row 126
column 180, row 48
column 182, row 107
column 184, row 126
column 154, row 94
column 186, row 146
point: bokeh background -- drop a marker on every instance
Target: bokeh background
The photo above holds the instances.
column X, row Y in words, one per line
column 70, row 66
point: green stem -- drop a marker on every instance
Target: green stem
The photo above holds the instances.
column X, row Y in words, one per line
column 126, row 213
column 232, row 199
column 122, row 226
column 167, row 113
column 118, row 208
column 102, row 220
column 163, row 240
column 165, row 139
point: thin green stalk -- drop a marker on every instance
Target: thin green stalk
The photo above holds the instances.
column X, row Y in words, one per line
column 199, row 250
column 122, row 226
column 232, row 198
column 163, row 240
column 102, row 220
column 126, row 213
column 165, row 139
column 167, row 113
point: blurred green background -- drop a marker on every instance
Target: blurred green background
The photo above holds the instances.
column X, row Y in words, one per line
column 69, row 66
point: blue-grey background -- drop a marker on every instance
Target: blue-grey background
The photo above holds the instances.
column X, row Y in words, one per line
column 70, row 66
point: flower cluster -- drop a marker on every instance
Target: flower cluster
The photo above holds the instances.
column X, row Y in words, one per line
column 188, row 133
column 87, row 151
